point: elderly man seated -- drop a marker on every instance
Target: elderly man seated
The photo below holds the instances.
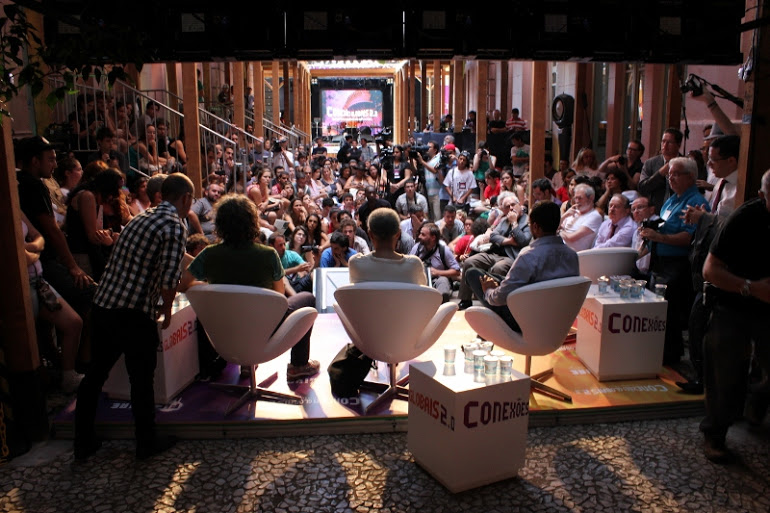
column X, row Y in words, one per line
column 580, row 222
column 507, row 239
column 618, row 229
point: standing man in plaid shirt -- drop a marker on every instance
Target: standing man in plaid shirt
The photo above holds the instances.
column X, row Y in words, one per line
column 144, row 267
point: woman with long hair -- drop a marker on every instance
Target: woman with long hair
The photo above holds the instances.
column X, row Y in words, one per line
column 586, row 163
column 139, row 200
column 240, row 260
column 316, row 233
column 86, row 234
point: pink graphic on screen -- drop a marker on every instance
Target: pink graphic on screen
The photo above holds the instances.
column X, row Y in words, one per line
column 351, row 107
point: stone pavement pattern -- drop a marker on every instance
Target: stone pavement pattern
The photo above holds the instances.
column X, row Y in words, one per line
column 649, row 466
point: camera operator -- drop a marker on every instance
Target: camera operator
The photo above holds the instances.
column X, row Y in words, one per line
column 282, row 156
column 434, row 178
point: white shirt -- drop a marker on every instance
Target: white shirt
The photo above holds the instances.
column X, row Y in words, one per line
column 592, row 219
column 727, row 199
column 460, row 183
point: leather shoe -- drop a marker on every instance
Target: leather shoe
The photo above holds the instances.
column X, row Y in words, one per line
column 464, row 304
column 159, row 445
column 716, row 451
column 690, row 387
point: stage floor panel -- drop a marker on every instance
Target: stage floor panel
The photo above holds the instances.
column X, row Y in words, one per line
column 199, row 410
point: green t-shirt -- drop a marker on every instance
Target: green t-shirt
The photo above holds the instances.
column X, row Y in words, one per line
column 251, row 264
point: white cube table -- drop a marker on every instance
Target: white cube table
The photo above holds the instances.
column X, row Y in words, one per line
column 177, row 358
column 467, row 434
column 621, row 338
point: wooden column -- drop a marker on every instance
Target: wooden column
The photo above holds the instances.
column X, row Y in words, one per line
column 191, row 126
column 287, row 107
column 173, row 85
column 275, row 74
column 654, row 88
column 397, row 131
column 506, row 100
column 259, row 99
column 754, row 157
column 405, row 101
column 581, row 134
column 537, row 124
column 616, row 95
column 673, row 114
column 413, row 123
column 423, row 96
column 482, row 102
column 309, row 103
column 294, row 92
column 228, row 74
column 20, row 351
column 438, row 104
column 239, row 101
column 206, row 82
column 458, row 85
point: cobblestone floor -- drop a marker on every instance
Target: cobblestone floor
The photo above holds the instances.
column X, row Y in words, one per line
column 651, row 466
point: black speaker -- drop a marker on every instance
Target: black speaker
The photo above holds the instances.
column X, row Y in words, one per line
column 563, row 110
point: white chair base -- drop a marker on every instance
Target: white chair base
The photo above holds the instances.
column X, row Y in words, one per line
column 255, row 393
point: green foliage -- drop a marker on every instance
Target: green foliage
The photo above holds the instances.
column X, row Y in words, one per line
column 96, row 51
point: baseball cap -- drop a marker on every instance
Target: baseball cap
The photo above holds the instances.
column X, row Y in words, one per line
column 450, row 147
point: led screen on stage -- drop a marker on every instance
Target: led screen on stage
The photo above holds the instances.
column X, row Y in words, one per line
column 350, row 107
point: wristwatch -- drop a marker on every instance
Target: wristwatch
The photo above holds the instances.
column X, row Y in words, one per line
column 746, row 290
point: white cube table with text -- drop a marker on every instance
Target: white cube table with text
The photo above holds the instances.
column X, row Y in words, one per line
column 467, row 434
column 621, row 338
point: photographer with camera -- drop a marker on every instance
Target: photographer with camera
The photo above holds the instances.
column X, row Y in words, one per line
column 631, row 161
column 282, row 156
column 670, row 250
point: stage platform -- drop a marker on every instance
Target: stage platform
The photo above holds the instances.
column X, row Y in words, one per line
column 198, row 411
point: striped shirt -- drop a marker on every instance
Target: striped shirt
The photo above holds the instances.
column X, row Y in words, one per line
column 145, row 259
column 515, row 125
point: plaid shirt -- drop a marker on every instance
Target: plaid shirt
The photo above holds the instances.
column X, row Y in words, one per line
column 146, row 258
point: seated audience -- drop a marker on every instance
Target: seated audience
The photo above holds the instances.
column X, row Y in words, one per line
column 580, row 222
column 436, row 255
column 338, row 253
column 618, row 229
column 296, row 269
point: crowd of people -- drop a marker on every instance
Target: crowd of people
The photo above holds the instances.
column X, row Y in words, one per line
column 104, row 245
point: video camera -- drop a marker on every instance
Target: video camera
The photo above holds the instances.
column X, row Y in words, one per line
column 421, row 149
column 387, row 133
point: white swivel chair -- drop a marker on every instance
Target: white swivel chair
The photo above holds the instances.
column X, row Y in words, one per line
column 545, row 312
column 392, row 323
column 240, row 321
column 606, row 262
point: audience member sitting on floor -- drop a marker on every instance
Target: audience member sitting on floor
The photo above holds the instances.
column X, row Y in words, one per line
column 435, row 254
column 296, row 269
column 348, row 229
column 385, row 263
column 580, row 222
column 339, row 251
column 618, row 229
column 239, row 260
column 546, row 258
